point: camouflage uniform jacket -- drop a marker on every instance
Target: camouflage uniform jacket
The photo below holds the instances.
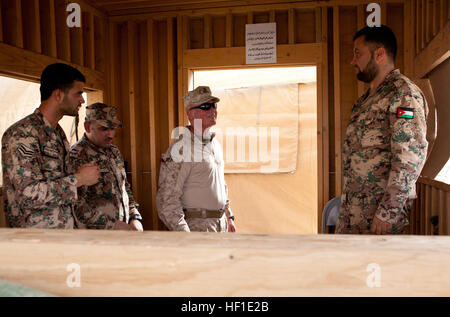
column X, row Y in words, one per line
column 383, row 155
column 101, row 205
column 194, row 181
column 38, row 191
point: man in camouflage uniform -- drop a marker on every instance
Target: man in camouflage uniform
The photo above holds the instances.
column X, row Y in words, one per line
column 38, row 190
column 109, row 204
column 385, row 146
column 192, row 194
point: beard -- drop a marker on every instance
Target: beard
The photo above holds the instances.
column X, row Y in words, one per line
column 68, row 108
column 369, row 72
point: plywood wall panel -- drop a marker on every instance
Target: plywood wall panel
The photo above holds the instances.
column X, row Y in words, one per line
column 305, row 26
column 261, row 17
column 218, row 29
column 281, row 19
column 12, row 22
column 62, row 31
column 31, row 26
column 395, row 20
column 196, row 33
column 239, row 22
column 48, row 27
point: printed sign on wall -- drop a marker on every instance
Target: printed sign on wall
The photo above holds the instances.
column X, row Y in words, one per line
column 261, row 43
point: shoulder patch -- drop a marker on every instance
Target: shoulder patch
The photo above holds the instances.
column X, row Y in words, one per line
column 406, row 113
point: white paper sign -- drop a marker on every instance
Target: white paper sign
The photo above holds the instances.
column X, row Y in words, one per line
column 261, row 43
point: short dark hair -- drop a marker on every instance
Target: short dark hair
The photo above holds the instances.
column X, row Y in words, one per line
column 380, row 36
column 58, row 76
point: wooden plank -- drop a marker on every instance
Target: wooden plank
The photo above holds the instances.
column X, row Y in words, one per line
column 291, row 26
column 186, row 33
column 235, row 56
column 337, row 101
column 27, row 64
column 428, row 211
column 12, row 17
column 434, row 183
column 180, row 50
column 321, row 104
column 76, row 45
column 361, row 23
column 62, row 31
column 422, row 25
column 436, row 52
column 383, row 13
column 88, row 39
column 272, row 16
column 152, row 119
column 1, row 23
column 100, row 44
column 446, row 220
column 31, row 26
column 323, row 118
column 131, row 30
column 183, row 264
column 434, row 205
column 416, row 22
column 250, row 17
column 198, row 9
column 48, row 28
column 207, row 31
column 408, row 48
column 171, row 78
column 434, row 17
column 427, row 21
column 318, row 14
column 442, row 18
column 229, row 30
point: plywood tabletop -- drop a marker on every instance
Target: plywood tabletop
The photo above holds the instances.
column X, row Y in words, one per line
column 106, row 263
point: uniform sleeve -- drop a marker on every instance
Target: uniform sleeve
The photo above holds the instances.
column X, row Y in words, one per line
column 133, row 205
column 82, row 208
column 172, row 176
column 22, row 163
column 408, row 150
column 228, row 211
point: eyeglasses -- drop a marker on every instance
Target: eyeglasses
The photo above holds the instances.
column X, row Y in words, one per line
column 206, row 106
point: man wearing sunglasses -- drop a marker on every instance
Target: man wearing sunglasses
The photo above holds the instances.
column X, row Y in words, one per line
column 192, row 194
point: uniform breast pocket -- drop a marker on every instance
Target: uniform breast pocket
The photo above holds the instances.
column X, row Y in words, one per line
column 373, row 132
column 52, row 163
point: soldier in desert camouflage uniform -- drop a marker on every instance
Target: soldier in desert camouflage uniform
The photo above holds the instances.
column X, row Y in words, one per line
column 109, row 204
column 38, row 190
column 385, row 146
column 192, row 194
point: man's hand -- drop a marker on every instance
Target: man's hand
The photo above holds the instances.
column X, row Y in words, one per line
column 380, row 227
column 120, row 225
column 136, row 225
column 231, row 226
column 88, row 174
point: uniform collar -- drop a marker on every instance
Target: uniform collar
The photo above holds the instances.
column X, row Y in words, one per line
column 94, row 147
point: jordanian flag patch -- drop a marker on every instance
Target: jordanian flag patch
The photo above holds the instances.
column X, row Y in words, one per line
column 407, row 113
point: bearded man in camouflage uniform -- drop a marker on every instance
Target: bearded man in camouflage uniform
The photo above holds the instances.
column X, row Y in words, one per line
column 385, row 145
column 192, row 194
column 109, row 204
column 39, row 192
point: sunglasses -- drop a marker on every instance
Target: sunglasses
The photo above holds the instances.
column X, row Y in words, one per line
column 206, row 106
